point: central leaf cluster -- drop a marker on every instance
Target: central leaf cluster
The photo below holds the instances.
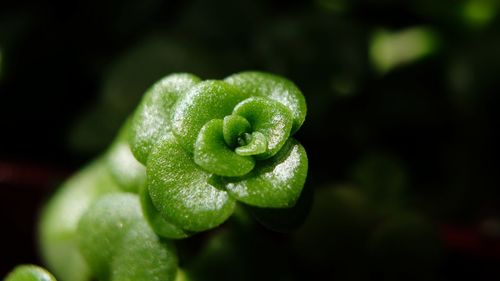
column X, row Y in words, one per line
column 256, row 130
column 207, row 144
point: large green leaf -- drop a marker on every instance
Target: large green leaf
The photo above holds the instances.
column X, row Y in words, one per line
column 152, row 119
column 183, row 193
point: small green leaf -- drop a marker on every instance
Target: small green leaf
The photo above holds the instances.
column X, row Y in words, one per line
column 274, row 87
column 152, row 118
column 257, row 145
column 159, row 224
column 205, row 101
column 181, row 192
column 268, row 117
column 234, row 127
column 274, row 183
column 29, row 273
column 213, row 155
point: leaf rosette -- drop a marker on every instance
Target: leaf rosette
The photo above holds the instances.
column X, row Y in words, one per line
column 209, row 144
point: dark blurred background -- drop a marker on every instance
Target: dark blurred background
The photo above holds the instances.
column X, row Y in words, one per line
column 402, row 98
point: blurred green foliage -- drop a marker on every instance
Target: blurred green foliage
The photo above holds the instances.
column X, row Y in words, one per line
column 388, row 50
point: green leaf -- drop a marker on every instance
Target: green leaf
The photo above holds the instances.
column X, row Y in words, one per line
column 128, row 173
column 152, row 118
column 273, row 87
column 118, row 244
column 274, row 183
column 205, row 101
column 158, row 223
column 182, row 192
column 268, row 117
column 213, row 155
column 256, row 145
column 29, row 273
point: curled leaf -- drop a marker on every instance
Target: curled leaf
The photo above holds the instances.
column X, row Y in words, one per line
column 256, row 144
column 203, row 102
column 234, row 127
column 274, row 87
column 270, row 118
